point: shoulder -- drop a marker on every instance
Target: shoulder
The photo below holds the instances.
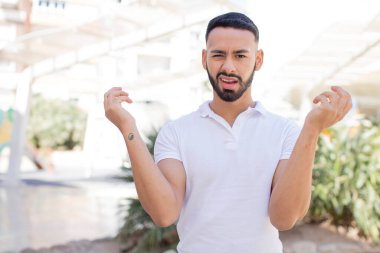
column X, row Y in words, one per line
column 273, row 117
column 182, row 123
column 281, row 120
column 276, row 122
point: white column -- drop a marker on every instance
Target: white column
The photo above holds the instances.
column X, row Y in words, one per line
column 23, row 92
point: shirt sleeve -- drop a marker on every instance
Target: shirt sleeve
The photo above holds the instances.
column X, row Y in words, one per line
column 167, row 144
column 291, row 133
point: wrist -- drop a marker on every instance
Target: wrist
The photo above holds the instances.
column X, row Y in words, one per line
column 128, row 127
column 312, row 128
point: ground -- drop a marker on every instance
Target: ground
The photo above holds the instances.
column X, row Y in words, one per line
column 303, row 238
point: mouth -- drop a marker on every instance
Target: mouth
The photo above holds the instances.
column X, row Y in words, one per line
column 228, row 83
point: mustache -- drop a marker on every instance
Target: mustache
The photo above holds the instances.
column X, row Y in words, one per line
column 229, row 75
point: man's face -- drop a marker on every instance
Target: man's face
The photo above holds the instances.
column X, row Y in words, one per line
column 230, row 60
column 226, row 91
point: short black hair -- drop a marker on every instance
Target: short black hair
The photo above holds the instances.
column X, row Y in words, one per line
column 235, row 20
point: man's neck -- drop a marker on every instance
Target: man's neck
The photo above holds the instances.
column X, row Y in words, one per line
column 230, row 110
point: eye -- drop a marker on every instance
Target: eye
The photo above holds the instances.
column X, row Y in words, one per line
column 241, row 56
column 216, row 55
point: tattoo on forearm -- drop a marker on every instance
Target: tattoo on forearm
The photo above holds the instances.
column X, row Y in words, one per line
column 131, row 136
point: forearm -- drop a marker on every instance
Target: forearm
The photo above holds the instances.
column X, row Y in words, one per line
column 292, row 192
column 291, row 195
column 155, row 192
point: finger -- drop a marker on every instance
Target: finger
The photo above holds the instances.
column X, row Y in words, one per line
column 114, row 93
column 340, row 91
column 111, row 101
column 120, row 99
column 345, row 99
column 332, row 97
column 119, row 93
column 126, row 99
column 115, row 88
column 321, row 99
column 347, row 107
column 105, row 96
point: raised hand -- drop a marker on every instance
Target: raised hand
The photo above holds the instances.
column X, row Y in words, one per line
column 120, row 117
column 333, row 106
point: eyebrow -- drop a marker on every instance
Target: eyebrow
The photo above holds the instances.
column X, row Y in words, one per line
column 215, row 51
column 240, row 51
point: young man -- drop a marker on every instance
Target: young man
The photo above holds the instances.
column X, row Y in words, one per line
column 230, row 174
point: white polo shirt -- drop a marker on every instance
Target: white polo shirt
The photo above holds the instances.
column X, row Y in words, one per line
column 229, row 173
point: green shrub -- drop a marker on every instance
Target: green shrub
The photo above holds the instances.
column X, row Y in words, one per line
column 55, row 124
column 140, row 233
column 346, row 178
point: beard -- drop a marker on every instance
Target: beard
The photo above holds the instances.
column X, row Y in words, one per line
column 230, row 95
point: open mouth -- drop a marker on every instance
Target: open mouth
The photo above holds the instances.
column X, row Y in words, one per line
column 228, row 83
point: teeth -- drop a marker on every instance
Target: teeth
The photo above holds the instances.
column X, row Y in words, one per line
column 228, row 81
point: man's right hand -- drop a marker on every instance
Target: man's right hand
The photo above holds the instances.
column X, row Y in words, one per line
column 120, row 117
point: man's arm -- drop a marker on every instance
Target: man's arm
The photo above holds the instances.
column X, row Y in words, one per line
column 160, row 188
column 291, row 187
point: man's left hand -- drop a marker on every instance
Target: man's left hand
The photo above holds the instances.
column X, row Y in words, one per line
column 333, row 106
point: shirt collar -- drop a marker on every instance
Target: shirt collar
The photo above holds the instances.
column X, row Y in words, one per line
column 205, row 110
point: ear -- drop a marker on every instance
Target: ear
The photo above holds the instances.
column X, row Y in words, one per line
column 259, row 59
column 204, row 58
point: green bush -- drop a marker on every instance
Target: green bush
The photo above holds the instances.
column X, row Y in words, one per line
column 138, row 231
column 346, row 178
column 55, row 124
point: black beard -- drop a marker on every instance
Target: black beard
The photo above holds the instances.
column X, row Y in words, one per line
column 230, row 95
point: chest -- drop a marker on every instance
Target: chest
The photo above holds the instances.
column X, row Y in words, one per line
column 242, row 157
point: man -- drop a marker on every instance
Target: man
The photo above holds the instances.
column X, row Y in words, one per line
column 230, row 174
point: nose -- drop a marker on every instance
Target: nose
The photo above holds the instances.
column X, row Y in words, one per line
column 228, row 66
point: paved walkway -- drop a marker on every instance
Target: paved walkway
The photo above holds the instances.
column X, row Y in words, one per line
column 54, row 207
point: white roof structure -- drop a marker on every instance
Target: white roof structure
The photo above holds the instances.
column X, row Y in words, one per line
column 346, row 54
column 81, row 30
column 44, row 40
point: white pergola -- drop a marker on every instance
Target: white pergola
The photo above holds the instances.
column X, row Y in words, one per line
column 345, row 54
column 50, row 43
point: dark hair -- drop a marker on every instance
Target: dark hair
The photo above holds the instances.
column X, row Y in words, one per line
column 234, row 20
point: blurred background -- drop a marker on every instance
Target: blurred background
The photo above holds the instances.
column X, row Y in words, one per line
column 64, row 169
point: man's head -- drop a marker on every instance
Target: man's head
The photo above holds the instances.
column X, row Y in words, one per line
column 231, row 57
